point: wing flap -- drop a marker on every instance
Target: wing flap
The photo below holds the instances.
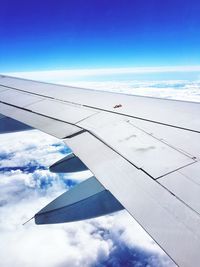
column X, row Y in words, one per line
column 142, row 149
column 159, row 212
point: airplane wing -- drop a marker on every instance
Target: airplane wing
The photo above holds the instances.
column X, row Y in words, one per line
column 144, row 151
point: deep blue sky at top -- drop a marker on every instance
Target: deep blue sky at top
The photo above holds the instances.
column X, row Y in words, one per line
column 57, row 34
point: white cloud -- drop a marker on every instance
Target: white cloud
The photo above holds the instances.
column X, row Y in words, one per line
column 186, row 89
column 86, row 243
column 25, row 144
column 171, row 89
column 69, row 73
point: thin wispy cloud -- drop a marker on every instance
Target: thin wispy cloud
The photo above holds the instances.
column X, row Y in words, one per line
column 73, row 73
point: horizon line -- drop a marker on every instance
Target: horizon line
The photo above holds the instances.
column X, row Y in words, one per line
column 106, row 71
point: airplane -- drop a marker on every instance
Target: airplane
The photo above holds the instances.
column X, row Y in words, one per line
column 144, row 153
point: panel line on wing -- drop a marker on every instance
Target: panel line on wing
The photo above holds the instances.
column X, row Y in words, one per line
column 103, row 109
column 173, row 191
column 73, row 135
column 139, row 118
column 182, row 167
column 125, row 158
column 117, row 152
column 138, row 147
column 24, row 91
column 44, row 96
column 37, row 113
column 164, row 142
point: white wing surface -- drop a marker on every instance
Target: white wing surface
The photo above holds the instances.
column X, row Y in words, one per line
column 145, row 151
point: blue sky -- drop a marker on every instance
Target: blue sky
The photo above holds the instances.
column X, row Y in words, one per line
column 55, row 34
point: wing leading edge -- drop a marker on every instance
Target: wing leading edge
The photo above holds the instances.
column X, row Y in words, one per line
column 145, row 151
